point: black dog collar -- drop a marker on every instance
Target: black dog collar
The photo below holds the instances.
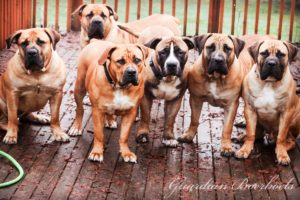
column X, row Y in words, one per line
column 108, row 77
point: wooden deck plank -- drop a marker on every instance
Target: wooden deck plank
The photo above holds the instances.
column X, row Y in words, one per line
column 189, row 156
column 154, row 186
column 122, row 174
column 136, row 189
column 221, row 164
column 173, row 167
column 270, row 171
column 205, row 155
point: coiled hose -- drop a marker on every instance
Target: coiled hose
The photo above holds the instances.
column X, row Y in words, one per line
column 17, row 165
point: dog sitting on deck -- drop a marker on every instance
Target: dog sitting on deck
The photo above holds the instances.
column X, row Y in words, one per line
column 271, row 102
column 34, row 76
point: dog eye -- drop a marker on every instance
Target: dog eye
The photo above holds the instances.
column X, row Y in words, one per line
column 103, row 15
column 280, row 55
column 25, row 43
column 121, row 61
column 227, row 48
column 211, row 47
column 137, row 60
column 40, row 42
column 264, row 53
column 90, row 15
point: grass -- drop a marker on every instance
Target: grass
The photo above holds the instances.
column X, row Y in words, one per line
column 191, row 26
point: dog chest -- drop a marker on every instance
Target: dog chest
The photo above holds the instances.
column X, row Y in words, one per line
column 167, row 90
column 266, row 102
column 120, row 102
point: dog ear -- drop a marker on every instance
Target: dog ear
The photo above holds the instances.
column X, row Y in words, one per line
column 53, row 35
column 153, row 43
column 13, row 38
column 200, row 40
column 238, row 45
column 79, row 10
column 292, row 50
column 106, row 54
column 145, row 50
column 254, row 50
column 112, row 13
column 189, row 42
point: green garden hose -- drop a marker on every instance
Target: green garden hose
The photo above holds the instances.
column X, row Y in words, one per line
column 17, row 165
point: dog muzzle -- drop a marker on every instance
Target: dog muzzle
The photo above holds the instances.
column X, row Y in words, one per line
column 130, row 77
column 33, row 61
column 96, row 30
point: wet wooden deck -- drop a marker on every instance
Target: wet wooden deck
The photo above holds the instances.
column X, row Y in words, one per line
column 62, row 171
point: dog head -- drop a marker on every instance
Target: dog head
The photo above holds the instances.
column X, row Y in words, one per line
column 218, row 52
column 272, row 58
column 35, row 47
column 125, row 63
column 171, row 54
column 96, row 19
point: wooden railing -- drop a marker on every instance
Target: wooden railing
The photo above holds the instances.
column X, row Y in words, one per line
column 197, row 16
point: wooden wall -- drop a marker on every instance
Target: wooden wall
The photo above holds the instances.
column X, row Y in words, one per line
column 14, row 15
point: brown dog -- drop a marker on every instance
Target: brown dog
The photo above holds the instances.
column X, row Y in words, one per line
column 216, row 77
column 34, row 76
column 166, row 78
column 271, row 103
column 99, row 21
column 116, row 87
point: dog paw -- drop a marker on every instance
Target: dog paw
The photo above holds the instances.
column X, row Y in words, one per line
column 10, row 139
column 61, row 137
column 185, row 139
column 74, row 131
column 129, row 156
column 283, row 159
column 96, row 156
column 243, row 153
column 226, row 151
column 170, row 142
column 142, row 138
column 111, row 124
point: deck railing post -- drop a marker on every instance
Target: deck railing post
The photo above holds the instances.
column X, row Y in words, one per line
column 73, row 22
column 214, row 16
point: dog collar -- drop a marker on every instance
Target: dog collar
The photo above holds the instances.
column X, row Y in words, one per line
column 108, row 77
column 156, row 72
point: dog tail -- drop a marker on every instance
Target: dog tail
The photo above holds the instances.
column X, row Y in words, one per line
column 124, row 28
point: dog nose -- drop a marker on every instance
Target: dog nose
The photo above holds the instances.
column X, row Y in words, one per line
column 131, row 72
column 32, row 52
column 97, row 22
column 271, row 63
column 171, row 65
column 219, row 60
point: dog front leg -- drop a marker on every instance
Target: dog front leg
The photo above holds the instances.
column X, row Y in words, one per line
column 79, row 94
column 55, row 103
column 127, row 122
column 281, row 147
column 196, row 107
column 171, row 110
column 143, row 130
column 251, row 126
column 98, row 148
column 11, row 136
column 230, row 113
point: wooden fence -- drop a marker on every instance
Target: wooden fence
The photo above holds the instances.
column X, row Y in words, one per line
column 17, row 14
